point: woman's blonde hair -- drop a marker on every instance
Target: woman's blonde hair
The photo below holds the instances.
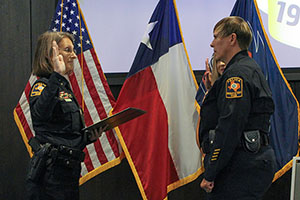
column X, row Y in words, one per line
column 42, row 63
column 215, row 73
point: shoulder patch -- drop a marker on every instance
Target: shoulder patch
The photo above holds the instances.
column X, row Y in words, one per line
column 37, row 89
column 234, row 88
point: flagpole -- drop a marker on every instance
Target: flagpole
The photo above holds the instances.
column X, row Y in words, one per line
column 81, row 56
column 61, row 11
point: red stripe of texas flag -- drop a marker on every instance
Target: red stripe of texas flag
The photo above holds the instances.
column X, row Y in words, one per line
column 147, row 144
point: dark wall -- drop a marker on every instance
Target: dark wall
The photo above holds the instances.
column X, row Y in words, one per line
column 15, row 45
column 21, row 23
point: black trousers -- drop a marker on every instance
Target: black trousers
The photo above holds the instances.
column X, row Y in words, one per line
column 56, row 183
column 246, row 177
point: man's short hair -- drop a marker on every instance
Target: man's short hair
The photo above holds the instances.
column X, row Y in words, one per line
column 237, row 25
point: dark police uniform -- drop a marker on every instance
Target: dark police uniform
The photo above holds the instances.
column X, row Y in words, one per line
column 239, row 102
column 57, row 121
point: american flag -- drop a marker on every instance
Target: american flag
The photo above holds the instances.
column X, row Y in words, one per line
column 90, row 88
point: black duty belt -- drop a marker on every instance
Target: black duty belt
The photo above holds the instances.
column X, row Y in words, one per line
column 63, row 154
column 67, row 152
column 264, row 137
column 66, row 156
column 207, row 145
column 253, row 140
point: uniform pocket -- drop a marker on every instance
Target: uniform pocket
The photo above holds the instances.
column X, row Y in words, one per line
column 68, row 107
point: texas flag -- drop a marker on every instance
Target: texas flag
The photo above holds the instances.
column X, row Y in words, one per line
column 161, row 145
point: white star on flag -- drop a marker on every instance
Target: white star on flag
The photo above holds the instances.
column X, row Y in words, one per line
column 146, row 37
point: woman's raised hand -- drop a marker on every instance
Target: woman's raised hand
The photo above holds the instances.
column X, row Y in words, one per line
column 57, row 60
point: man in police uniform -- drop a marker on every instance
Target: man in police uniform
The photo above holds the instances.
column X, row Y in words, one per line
column 235, row 120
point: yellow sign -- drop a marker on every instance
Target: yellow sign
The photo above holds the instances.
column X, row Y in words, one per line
column 284, row 25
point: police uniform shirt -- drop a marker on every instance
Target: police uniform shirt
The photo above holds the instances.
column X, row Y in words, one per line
column 239, row 100
column 55, row 113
